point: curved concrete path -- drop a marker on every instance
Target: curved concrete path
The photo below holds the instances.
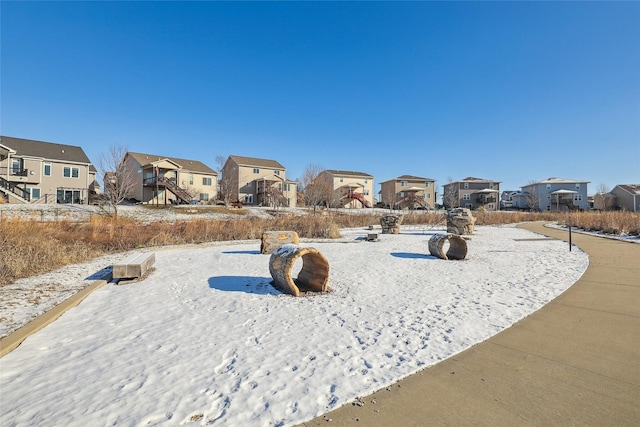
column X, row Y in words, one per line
column 575, row 362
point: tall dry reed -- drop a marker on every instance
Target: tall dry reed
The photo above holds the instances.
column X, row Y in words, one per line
column 29, row 247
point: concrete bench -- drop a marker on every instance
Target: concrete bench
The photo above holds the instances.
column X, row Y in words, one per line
column 135, row 266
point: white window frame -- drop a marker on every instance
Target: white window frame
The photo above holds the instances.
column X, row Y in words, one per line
column 44, row 169
column 466, row 196
column 466, row 185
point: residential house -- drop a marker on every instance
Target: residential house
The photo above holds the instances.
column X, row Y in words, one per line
column 554, row 194
column 350, row 189
column 169, row 180
column 602, row 201
column 507, row 198
column 408, row 192
column 258, row 182
column 44, row 172
column 627, row 197
column 472, row 193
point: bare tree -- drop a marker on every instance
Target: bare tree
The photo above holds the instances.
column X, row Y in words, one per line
column 317, row 189
column 227, row 192
column 450, row 197
column 119, row 179
column 532, row 197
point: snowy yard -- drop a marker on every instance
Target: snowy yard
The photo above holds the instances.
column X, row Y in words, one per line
column 206, row 339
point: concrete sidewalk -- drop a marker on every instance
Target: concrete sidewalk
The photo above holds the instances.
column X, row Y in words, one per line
column 575, row 362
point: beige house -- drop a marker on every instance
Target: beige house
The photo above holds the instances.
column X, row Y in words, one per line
column 472, row 193
column 44, row 172
column 350, row 189
column 258, row 182
column 408, row 192
column 170, row 180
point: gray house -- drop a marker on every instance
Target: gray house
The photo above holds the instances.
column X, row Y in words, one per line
column 472, row 193
column 553, row 194
column 627, row 197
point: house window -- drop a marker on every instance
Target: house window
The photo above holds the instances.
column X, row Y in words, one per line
column 287, row 187
column 548, row 186
column 577, row 186
column 466, row 185
column 427, row 196
column 256, row 170
column 466, row 196
column 69, row 172
column 204, row 196
column 428, row 184
column 402, row 194
column 366, row 180
column 278, row 173
column 366, row 192
column 468, row 205
column 190, row 179
column 35, row 193
column 404, row 183
column 342, row 179
column 15, row 166
column 577, row 197
column 491, row 185
column 206, row 181
column 47, row 169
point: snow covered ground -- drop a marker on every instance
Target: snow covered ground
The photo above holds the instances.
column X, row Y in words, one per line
column 206, row 339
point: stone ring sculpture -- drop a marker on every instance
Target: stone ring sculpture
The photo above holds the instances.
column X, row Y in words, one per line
column 313, row 277
column 457, row 246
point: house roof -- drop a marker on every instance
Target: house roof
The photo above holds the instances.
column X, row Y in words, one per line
column 414, row 178
column 630, row 188
column 554, row 180
column 473, row 179
column 46, row 150
column 186, row 164
column 253, row 161
column 349, row 173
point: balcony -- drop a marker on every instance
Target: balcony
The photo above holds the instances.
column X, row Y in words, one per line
column 19, row 172
column 485, row 199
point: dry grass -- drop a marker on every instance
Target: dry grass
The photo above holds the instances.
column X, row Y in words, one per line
column 30, row 247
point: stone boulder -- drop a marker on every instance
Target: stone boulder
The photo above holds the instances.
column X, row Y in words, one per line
column 460, row 221
column 391, row 224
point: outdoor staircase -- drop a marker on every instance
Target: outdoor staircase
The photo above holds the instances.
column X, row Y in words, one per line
column 180, row 193
column 359, row 197
column 17, row 192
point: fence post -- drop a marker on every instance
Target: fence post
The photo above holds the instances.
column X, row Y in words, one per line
column 569, row 234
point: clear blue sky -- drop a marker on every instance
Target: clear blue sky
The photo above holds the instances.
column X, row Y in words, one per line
column 509, row 91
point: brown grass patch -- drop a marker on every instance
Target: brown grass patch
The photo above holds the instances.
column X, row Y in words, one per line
column 30, row 247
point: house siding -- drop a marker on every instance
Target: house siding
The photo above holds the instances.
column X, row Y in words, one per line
column 466, row 193
column 548, row 202
column 342, row 181
column 260, row 182
column 393, row 193
column 54, row 188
